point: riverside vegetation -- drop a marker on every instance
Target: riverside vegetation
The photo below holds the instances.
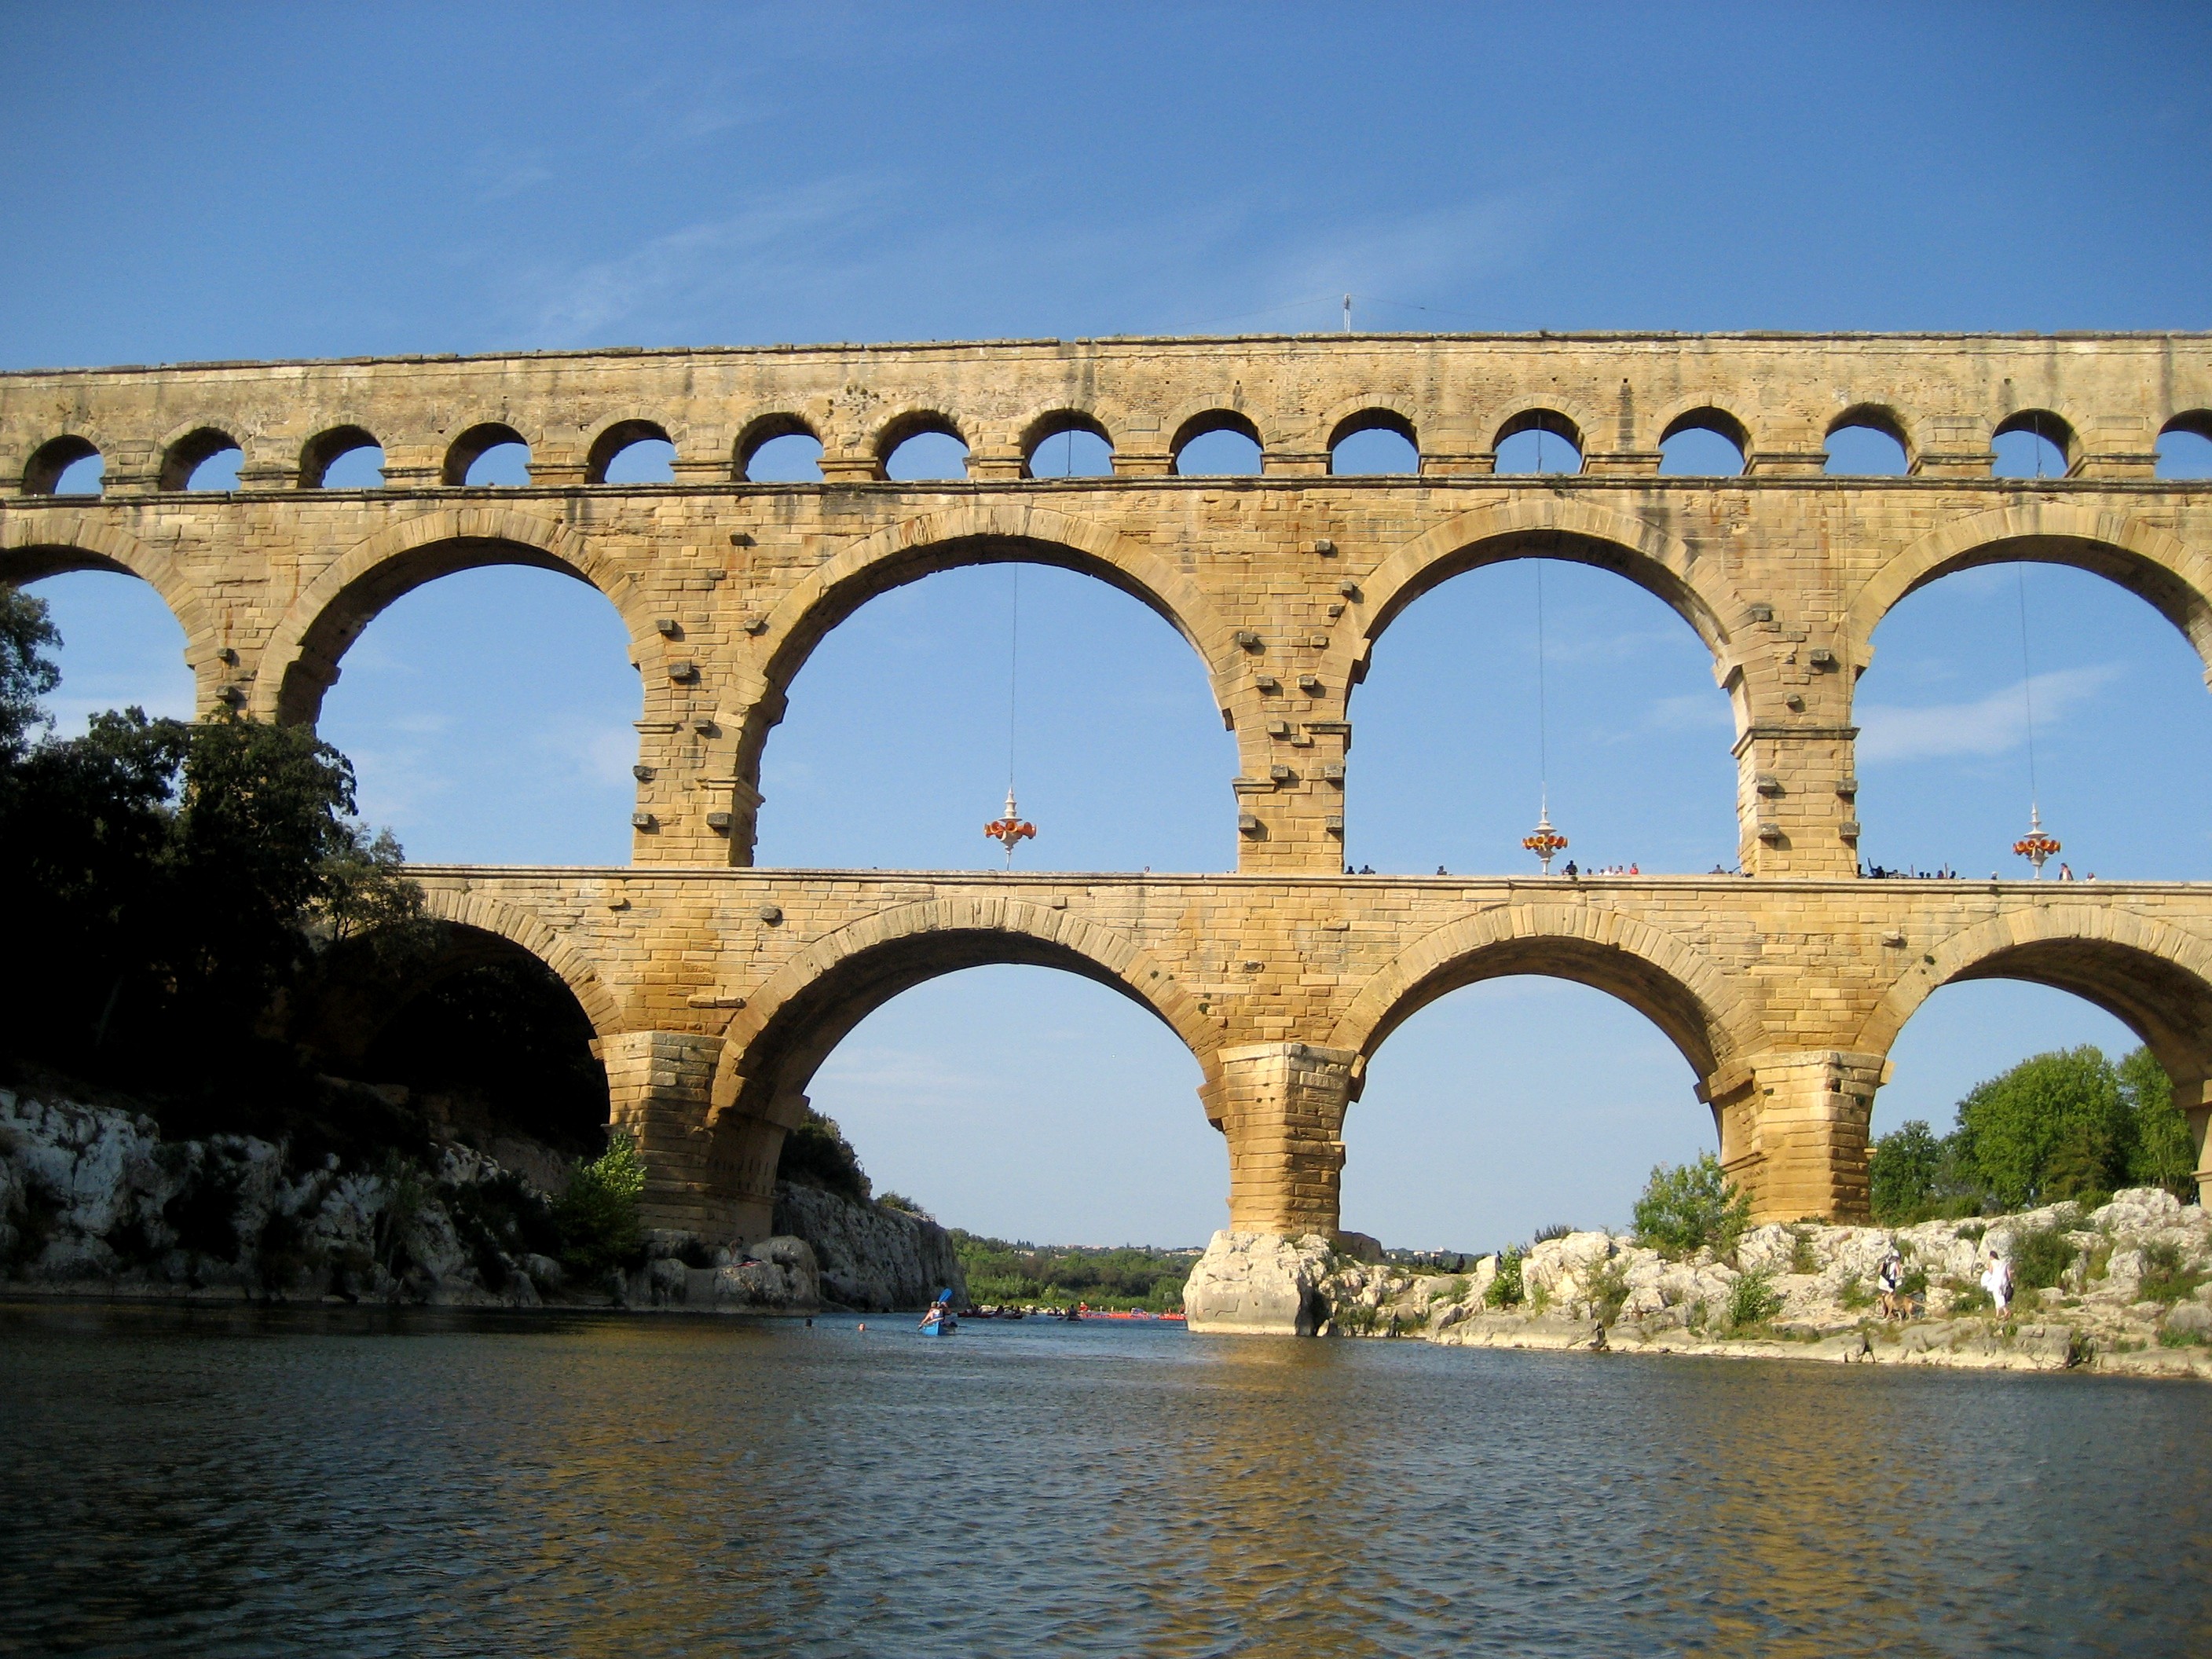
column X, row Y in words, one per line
column 189, row 900
column 2104, row 1278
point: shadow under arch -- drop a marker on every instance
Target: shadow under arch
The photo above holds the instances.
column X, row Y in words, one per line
column 359, row 996
column 2147, row 560
column 35, row 546
column 300, row 662
column 2152, row 978
column 773, row 1047
column 452, row 901
column 1553, row 528
column 1678, row 990
column 907, row 552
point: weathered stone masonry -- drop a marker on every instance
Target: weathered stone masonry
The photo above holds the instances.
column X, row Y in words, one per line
column 716, row 989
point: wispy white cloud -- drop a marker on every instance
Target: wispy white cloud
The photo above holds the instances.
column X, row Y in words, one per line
column 1994, row 725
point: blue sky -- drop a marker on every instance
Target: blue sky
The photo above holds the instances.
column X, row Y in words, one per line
column 289, row 181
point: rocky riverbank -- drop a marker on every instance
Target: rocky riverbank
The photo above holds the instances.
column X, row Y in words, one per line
column 2129, row 1290
column 93, row 1201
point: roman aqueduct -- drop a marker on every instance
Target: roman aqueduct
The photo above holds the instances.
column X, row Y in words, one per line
column 716, row 988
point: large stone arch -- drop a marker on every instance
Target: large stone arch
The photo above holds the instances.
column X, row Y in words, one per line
column 1672, row 985
column 996, row 534
column 35, row 546
column 2142, row 557
column 1546, row 524
column 455, row 903
column 300, row 661
column 773, row 1045
column 2151, row 976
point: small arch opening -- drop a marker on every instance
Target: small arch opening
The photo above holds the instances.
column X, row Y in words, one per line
column 1867, row 442
column 631, row 451
column 1705, row 443
column 779, row 448
column 1219, row 444
column 68, row 466
column 344, row 458
column 1540, row 441
column 1374, row 443
column 490, row 456
column 922, row 448
column 1069, row 444
column 2032, row 444
column 2184, row 448
column 204, row 461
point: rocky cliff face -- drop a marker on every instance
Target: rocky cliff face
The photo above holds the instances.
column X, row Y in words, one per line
column 872, row 1259
column 94, row 1201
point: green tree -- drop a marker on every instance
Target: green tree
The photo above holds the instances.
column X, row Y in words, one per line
column 1904, row 1173
column 2161, row 1152
column 599, row 1214
column 1690, row 1206
column 2052, row 1127
column 26, row 673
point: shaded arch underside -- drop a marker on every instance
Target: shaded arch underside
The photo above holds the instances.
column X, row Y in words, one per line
column 1676, row 990
column 1564, row 530
column 482, row 913
column 360, row 996
column 300, row 661
column 2147, row 562
column 773, row 1047
column 27, row 555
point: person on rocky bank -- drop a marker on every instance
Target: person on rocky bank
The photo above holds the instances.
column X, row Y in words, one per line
column 1996, row 1279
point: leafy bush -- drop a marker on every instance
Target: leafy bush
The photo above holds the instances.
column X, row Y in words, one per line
column 1803, row 1257
column 1609, row 1291
column 1449, row 1289
column 597, row 1215
column 1126, row 1276
column 1505, row 1290
column 1905, row 1173
column 1546, row 1235
column 2164, row 1278
column 2160, row 1153
column 1691, row 1206
column 1969, row 1297
column 2041, row 1258
column 1854, row 1295
column 817, row 1154
column 1753, row 1302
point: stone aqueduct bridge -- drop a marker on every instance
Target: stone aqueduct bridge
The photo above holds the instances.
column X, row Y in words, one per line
column 716, row 989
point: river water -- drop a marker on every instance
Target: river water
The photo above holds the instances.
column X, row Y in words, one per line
column 310, row 1482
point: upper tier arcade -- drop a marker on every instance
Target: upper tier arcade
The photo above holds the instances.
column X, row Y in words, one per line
column 1281, row 582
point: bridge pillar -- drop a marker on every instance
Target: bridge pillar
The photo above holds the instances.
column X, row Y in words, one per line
column 658, row 1083
column 1794, row 1131
column 1797, row 800
column 1281, row 1105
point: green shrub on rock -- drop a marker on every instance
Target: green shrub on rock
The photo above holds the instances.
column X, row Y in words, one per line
column 1505, row 1290
column 597, row 1216
column 1753, row 1302
column 1691, row 1206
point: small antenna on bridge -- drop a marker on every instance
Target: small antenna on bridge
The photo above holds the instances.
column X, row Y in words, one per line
column 1347, row 313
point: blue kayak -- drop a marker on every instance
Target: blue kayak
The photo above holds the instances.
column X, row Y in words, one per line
column 939, row 1320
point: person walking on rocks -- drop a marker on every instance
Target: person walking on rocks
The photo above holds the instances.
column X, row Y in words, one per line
column 1889, row 1282
column 1996, row 1279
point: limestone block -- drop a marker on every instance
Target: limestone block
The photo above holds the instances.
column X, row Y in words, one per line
column 1258, row 1284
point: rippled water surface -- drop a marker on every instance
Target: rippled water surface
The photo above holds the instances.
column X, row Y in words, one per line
column 424, row 1483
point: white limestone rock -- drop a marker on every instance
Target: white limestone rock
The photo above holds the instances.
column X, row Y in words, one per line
column 1259, row 1284
column 871, row 1258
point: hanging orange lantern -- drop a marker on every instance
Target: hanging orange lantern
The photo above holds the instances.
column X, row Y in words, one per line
column 2036, row 848
column 1547, row 843
column 1012, row 830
